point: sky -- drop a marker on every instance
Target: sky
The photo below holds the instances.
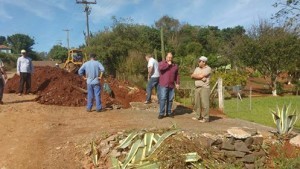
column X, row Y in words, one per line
column 46, row 20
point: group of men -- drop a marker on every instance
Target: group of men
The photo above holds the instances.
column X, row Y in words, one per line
column 164, row 76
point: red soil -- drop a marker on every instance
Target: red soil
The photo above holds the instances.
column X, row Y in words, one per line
column 54, row 86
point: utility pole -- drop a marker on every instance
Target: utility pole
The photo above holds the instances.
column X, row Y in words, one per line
column 68, row 40
column 87, row 10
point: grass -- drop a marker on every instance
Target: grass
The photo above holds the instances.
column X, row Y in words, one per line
column 260, row 108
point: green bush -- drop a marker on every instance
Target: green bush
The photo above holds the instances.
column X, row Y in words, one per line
column 9, row 60
column 230, row 78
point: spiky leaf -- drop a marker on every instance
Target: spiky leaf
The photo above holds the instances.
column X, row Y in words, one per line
column 127, row 141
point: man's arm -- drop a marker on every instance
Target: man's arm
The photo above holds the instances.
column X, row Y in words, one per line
column 101, row 68
column 3, row 72
column 163, row 66
column 150, row 72
column 203, row 75
column 18, row 66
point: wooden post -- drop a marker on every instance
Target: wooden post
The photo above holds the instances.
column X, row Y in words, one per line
column 250, row 99
column 220, row 94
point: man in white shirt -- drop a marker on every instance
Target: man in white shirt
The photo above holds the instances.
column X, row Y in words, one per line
column 24, row 70
column 153, row 77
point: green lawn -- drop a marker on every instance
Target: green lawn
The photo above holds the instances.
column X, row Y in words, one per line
column 260, row 108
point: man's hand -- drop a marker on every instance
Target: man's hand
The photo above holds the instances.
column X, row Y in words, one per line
column 18, row 73
column 177, row 86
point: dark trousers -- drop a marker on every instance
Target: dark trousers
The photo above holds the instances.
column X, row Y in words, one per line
column 25, row 78
column 1, row 88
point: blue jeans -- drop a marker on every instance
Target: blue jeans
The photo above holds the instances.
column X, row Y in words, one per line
column 94, row 90
column 153, row 82
column 166, row 100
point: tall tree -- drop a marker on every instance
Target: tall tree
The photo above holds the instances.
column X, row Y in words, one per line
column 19, row 42
column 171, row 28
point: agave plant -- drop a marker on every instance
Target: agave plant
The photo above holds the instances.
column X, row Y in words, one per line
column 142, row 149
column 284, row 120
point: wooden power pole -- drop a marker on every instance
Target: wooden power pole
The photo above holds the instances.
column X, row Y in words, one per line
column 87, row 10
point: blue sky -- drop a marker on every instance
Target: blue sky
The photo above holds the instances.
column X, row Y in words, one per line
column 45, row 20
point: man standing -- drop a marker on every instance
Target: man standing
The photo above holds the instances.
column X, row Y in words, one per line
column 169, row 78
column 24, row 70
column 3, row 77
column 93, row 71
column 153, row 77
column 201, row 76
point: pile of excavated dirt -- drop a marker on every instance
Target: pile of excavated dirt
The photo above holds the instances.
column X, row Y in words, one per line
column 55, row 86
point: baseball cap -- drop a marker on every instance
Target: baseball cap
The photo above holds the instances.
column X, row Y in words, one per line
column 23, row 51
column 203, row 58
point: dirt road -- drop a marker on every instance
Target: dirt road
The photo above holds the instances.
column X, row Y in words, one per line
column 35, row 136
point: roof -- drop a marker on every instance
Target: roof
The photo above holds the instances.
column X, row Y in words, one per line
column 4, row 47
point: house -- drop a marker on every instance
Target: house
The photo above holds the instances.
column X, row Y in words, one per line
column 5, row 49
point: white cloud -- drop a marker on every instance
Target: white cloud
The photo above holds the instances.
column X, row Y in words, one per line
column 42, row 8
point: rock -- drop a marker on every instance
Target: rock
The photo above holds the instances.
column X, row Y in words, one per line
column 241, row 146
column 251, row 131
column 259, row 154
column 217, row 142
column 295, row 141
column 249, row 141
column 258, row 140
column 233, row 153
column 249, row 166
column 238, row 133
column 227, row 146
column 250, row 158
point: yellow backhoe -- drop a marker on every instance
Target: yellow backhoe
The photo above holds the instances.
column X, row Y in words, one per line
column 76, row 57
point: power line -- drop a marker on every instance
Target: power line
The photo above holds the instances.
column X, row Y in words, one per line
column 87, row 10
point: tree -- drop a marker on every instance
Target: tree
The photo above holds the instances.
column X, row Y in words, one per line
column 58, row 52
column 170, row 28
column 19, row 42
column 289, row 12
column 2, row 40
column 269, row 49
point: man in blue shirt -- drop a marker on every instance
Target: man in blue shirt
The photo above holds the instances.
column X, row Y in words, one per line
column 92, row 72
column 24, row 70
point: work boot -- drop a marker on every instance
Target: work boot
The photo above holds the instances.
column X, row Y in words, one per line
column 160, row 117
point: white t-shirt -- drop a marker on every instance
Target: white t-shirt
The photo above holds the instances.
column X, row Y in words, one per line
column 1, row 63
column 153, row 63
